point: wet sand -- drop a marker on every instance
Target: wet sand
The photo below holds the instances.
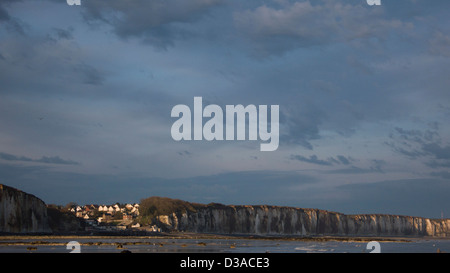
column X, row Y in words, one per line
column 216, row 243
column 53, row 239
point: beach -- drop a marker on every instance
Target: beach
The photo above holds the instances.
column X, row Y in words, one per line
column 210, row 243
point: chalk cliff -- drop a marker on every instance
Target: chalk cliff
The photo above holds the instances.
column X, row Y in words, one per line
column 275, row 220
column 21, row 212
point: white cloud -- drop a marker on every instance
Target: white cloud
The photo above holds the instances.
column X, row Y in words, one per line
column 306, row 23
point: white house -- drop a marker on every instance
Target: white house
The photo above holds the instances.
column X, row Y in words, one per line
column 135, row 209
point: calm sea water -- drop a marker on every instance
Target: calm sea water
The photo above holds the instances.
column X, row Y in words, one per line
column 153, row 245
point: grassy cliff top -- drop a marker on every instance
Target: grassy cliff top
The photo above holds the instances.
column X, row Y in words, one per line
column 155, row 205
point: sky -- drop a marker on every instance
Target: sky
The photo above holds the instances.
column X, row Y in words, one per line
column 86, row 94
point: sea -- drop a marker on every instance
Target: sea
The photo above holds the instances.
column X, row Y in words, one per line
column 193, row 245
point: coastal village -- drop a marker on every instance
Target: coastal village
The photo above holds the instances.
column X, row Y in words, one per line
column 117, row 217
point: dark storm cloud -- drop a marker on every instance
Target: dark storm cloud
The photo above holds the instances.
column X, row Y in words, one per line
column 437, row 151
column 343, row 159
column 438, row 163
column 161, row 25
column 411, row 153
column 55, row 160
column 351, row 170
column 155, row 22
column 378, row 164
column 426, row 145
column 64, row 33
column 418, row 136
column 313, row 159
column 301, row 125
column 12, row 24
column 89, row 74
column 4, row 16
column 35, row 57
column 185, row 153
column 376, row 167
column 44, row 159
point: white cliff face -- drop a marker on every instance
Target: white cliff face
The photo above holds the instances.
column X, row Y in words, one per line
column 21, row 212
column 272, row 220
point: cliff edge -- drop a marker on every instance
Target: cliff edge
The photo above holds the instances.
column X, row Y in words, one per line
column 277, row 220
column 21, row 212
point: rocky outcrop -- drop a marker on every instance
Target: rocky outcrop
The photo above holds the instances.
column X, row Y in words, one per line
column 21, row 212
column 274, row 220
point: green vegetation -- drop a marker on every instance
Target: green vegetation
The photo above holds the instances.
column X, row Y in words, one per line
column 154, row 206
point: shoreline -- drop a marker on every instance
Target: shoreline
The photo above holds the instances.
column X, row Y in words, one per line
column 14, row 239
column 215, row 243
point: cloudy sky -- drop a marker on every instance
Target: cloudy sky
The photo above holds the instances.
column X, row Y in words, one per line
column 86, row 94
